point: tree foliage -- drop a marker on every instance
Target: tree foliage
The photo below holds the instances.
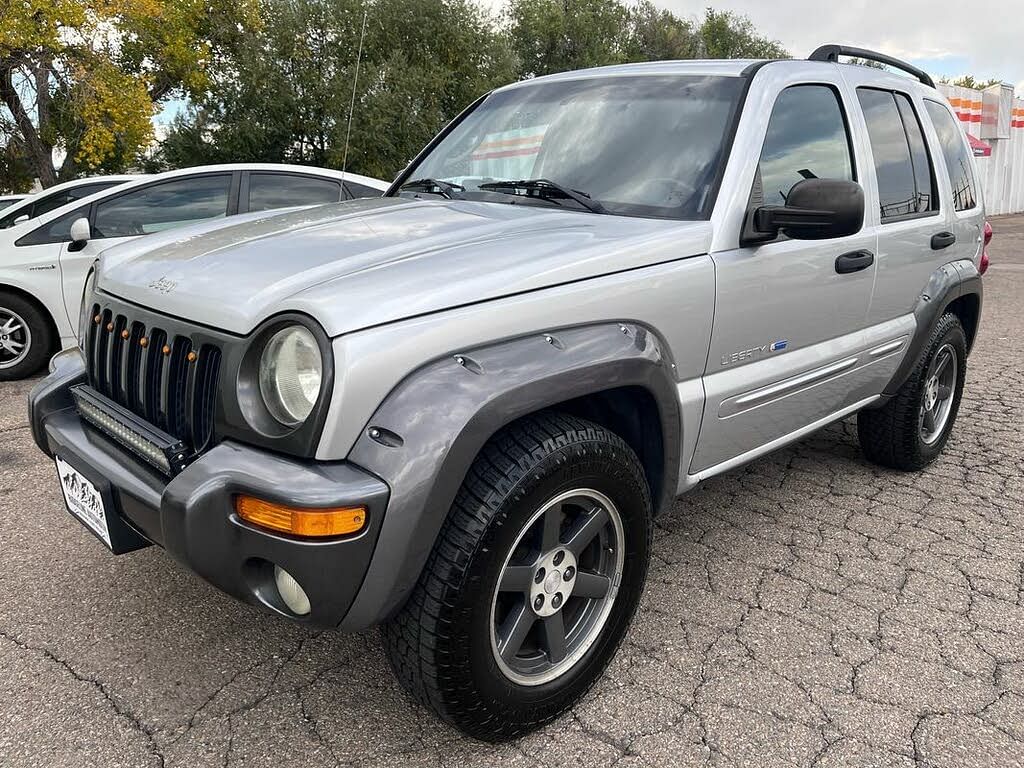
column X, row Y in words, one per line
column 969, row 81
column 82, row 76
column 283, row 92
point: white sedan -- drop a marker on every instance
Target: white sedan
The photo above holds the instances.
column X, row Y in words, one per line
column 44, row 261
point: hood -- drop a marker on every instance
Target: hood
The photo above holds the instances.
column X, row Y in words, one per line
column 367, row 262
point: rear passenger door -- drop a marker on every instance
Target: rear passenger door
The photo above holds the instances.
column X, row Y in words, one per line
column 914, row 229
column 787, row 343
column 264, row 191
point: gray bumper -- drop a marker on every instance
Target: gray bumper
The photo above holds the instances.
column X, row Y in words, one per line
column 193, row 518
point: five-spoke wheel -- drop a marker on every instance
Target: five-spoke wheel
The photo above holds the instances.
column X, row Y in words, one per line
column 557, row 586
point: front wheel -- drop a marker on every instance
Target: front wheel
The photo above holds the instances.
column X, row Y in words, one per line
column 532, row 582
column 25, row 337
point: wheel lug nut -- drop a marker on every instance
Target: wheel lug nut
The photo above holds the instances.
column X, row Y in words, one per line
column 556, row 601
column 568, row 573
column 559, row 557
column 539, row 602
column 538, row 577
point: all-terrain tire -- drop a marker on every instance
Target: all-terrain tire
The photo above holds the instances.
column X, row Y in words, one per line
column 892, row 435
column 440, row 643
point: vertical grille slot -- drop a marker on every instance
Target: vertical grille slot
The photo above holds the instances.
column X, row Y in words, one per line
column 204, row 396
column 117, row 360
column 127, row 363
column 152, row 389
column 133, row 380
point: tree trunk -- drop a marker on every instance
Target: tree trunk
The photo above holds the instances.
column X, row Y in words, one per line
column 40, row 152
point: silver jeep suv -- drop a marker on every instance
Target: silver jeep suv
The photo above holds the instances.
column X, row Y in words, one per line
column 456, row 410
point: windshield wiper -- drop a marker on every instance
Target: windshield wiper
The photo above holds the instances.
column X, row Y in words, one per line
column 443, row 188
column 547, row 189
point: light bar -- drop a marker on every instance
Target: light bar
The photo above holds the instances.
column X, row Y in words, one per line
column 165, row 452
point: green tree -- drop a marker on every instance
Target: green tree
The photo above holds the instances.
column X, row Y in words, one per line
column 83, row 76
column 969, row 81
column 558, row 35
column 726, row 35
column 283, row 93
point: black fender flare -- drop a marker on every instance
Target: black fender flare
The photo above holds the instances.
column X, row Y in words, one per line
column 945, row 285
column 425, row 435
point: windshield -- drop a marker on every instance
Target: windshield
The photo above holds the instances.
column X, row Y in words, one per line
column 639, row 146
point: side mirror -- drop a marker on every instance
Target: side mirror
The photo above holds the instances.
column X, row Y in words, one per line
column 815, row 209
column 80, row 234
column 20, row 219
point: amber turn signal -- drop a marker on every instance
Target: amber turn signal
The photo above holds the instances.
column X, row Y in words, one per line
column 314, row 523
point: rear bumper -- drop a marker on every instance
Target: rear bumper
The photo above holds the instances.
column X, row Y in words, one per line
column 192, row 516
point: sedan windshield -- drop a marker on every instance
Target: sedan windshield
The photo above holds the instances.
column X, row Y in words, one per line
column 635, row 146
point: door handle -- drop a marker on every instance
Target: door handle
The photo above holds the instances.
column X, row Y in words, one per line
column 854, row 261
column 942, row 240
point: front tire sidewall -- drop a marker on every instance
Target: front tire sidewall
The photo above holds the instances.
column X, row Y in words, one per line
column 41, row 343
column 556, row 476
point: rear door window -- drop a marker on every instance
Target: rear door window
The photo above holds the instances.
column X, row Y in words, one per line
column 283, row 190
column 905, row 186
column 958, row 160
column 163, row 206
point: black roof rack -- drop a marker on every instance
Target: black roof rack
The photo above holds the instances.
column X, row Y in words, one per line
column 833, row 52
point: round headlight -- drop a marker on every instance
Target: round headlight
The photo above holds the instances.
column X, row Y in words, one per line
column 291, row 371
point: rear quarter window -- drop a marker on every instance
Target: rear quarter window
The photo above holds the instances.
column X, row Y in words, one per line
column 959, row 164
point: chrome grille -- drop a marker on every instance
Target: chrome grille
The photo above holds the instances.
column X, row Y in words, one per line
column 156, row 373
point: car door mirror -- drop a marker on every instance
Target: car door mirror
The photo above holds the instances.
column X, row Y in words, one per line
column 815, row 209
column 80, row 233
column 22, row 218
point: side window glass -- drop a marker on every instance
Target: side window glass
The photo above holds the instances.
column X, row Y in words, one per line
column 52, row 203
column 56, row 231
column 954, row 150
column 163, row 206
column 359, row 190
column 898, row 190
column 806, row 139
column 279, row 190
column 924, row 175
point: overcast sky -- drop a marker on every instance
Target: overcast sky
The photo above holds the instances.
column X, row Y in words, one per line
column 943, row 37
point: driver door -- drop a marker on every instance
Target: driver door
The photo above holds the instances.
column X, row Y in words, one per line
column 789, row 326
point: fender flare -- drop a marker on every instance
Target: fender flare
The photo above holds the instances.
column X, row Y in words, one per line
column 945, row 285
column 425, row 435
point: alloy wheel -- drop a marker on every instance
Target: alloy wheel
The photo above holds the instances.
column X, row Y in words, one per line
column 557, row 587
column 937, row 399
column 15, row 338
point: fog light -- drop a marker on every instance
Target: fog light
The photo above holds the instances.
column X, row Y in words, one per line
column 292, row 593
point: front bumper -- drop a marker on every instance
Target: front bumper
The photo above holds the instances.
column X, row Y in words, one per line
column 192, row 516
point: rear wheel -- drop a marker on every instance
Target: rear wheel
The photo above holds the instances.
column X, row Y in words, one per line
column 25, row 337
column 911, row 429
column 532, row 582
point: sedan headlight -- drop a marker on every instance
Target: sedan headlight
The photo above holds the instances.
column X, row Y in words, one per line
column 291, row 374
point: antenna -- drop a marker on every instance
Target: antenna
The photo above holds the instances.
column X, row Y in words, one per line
column 352, row 103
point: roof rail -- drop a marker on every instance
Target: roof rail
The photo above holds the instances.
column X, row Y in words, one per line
column 833, row 52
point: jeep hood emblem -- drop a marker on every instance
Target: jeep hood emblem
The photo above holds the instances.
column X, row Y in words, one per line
column 163, row 285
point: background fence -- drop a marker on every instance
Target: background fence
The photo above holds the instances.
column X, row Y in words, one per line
column 996, row 117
